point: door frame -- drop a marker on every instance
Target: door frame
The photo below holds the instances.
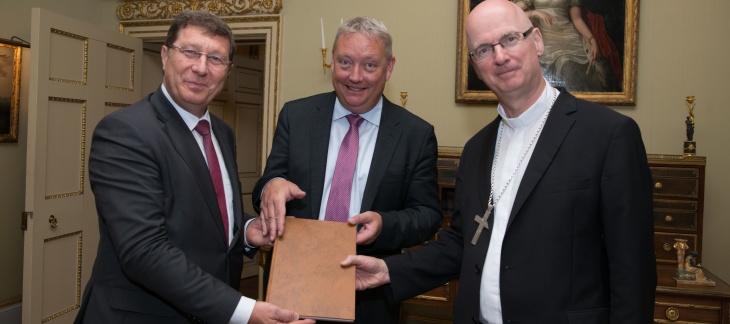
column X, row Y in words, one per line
column 266, row 27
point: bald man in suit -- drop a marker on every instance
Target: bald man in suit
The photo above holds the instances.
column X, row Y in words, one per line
column 553, row 218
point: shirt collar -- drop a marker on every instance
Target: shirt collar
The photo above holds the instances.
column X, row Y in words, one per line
column 532, row 114
column 372, row 116
column 190, row 120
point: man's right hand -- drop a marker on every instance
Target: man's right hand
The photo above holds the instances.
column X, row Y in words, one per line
column 273, row 205
column 265, row 313
column 370, row 272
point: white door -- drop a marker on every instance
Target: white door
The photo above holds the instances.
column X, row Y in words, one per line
column 79, row 73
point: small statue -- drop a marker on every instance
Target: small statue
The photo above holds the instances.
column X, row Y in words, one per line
column 688, row 272
column 690, row 146
column 689, row 266
column 690, row 128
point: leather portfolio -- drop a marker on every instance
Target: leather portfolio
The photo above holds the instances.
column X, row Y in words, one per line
column 306, row 276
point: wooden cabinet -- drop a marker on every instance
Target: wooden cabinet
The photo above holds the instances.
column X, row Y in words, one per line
column 683, row 304
column 679, row 183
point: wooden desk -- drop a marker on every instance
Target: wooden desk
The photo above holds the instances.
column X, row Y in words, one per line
column 684, row 304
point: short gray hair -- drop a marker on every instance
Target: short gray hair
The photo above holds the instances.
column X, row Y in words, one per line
column 369, row 27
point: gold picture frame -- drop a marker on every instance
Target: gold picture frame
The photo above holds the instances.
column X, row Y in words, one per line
column 469, row 89
column 10, row 55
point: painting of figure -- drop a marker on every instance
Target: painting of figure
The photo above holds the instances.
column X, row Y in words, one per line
column 585, row 49
column 9, row 92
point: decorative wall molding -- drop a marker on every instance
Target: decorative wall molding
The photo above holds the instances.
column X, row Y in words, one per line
column 167, row 9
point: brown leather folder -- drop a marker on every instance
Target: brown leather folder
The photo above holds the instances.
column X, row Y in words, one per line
column 306, row 276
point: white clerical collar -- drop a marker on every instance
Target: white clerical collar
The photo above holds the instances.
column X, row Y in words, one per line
column 372, row 116
column 190, row 120
column 532, row 114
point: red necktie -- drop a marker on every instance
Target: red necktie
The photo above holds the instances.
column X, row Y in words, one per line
column 338, row 203
column 203, row 128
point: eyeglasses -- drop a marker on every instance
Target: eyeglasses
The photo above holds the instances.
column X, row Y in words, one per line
column 508, row 41
column 214, row 61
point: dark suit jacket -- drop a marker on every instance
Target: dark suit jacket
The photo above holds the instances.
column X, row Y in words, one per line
column 163, row 255
column 402, row 182
column 578, row 246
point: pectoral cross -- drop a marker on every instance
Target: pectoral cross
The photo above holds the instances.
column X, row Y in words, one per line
column 483, row 223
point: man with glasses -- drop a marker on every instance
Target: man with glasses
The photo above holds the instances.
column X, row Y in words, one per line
column 172, row 229
column 553, row 218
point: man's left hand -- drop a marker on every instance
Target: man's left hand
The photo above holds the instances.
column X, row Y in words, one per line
column 372, row 224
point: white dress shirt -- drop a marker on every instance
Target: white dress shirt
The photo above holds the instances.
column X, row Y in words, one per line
column 517, row 133
column 368, row 131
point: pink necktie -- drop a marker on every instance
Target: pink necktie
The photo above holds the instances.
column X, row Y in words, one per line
column 338, row 204
column 203, row 128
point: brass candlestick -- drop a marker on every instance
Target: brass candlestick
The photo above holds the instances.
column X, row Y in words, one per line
column 325, row 66
column 403, row 98
column 690, row 146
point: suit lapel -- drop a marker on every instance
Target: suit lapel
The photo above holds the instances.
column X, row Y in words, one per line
column 320, row 123
column 485, row 162
column 483, row 186
column 185, row 145
column 389, row 134
column 556, row 128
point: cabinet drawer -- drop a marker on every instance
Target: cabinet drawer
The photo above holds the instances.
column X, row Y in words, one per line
column 674, row 309
column 673, row 219
column 685, row 205
column 664, row 242
column 675, row 187
column 669, row 172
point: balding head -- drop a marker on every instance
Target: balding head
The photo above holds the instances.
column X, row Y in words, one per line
column 490, row 15
column 513, row 73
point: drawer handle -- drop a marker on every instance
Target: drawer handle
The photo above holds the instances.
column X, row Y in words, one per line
column 668, row 218
column 658, row 185
column 667, row 247
column 672, row 314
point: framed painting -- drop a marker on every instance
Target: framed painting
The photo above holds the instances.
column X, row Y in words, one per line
column 10, row 54
column 597, row 63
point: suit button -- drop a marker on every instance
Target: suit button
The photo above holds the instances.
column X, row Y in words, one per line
column 477, row 269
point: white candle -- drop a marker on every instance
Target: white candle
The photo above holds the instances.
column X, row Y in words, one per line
column 340, row 21
column 321, row 27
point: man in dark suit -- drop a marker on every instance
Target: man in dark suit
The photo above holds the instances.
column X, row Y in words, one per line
column 394, row 192
column 169, row 200
column 566, row 190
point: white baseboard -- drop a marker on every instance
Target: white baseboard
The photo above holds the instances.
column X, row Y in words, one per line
column 11, row 314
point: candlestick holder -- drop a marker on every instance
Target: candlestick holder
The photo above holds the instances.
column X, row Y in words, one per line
column 403, row 98
column 325, row 66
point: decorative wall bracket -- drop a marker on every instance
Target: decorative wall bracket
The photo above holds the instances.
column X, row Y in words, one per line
column 167, row 9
